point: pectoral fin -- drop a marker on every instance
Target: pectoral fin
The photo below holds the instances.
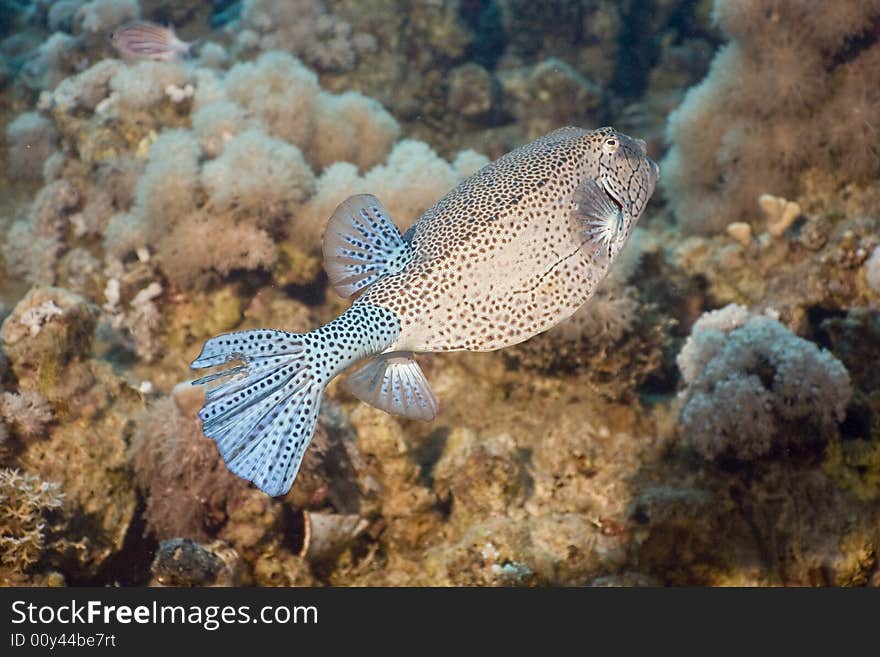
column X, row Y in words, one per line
column 597, row 218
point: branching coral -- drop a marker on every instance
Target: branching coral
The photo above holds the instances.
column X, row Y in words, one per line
column 24, row 500
column 280, row 91
column 752, row 385
column 218, row 122
column 286, row 97
column 795, row 88
column 267, row 174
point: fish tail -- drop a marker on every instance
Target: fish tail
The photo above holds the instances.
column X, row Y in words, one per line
column 263, row 413
column 190, row 46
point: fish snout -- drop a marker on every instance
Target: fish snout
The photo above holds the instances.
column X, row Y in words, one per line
column 655, row 170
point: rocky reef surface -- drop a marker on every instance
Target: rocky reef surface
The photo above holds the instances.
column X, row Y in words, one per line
column 711, row 417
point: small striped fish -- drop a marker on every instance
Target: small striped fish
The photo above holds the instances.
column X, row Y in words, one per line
column 144, row 40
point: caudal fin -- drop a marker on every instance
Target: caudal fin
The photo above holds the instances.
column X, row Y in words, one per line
column 263, row 415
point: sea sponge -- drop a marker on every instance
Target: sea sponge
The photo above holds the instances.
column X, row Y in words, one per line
column 31, row 138
column 751, row 385
column 792, row 90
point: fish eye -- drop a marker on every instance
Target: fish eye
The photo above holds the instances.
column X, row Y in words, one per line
column 610, row 145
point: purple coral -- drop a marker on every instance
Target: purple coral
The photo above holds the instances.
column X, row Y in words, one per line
column 751, row 385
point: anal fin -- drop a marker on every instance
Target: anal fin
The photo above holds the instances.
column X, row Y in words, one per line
column 395, row 383
column 362, row 244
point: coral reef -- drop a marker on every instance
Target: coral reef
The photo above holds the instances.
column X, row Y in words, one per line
column 241, row 177
column 48, row 341
column 322, row 39
column 711, row 417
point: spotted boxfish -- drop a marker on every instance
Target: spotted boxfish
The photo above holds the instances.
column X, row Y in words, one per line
column 508, row 253
column 145, row 40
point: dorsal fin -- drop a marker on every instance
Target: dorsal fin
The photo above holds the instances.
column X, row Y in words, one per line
column 362, row 244
column 394, row 383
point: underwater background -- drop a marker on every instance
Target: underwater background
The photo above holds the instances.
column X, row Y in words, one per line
column 710, row 417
